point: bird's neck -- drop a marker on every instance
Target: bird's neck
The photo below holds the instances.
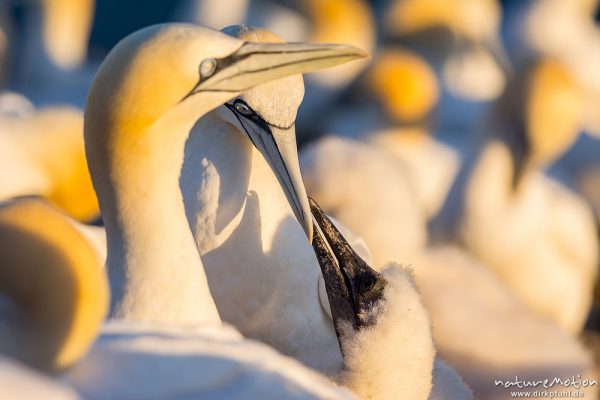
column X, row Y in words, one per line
column 154, row 267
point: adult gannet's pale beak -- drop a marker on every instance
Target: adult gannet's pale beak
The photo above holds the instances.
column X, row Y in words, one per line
column 278, row 147
column 255, row 63
column 353, row 287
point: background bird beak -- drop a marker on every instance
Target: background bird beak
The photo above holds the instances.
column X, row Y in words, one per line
column 255, row 63
column 353, row 287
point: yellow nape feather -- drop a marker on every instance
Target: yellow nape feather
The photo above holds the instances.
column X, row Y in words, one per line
column 52, row 276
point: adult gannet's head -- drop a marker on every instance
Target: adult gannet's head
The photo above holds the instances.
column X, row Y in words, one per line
column 382, row 326
column 543, row 106
column 404, row 83
column 266, row 114
column 53, row 291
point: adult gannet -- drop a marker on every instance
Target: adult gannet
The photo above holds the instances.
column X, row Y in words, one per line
column 535, row 234
column 168, row 340
column 42, row 153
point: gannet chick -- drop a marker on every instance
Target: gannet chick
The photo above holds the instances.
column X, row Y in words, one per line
column 383, row 328
column 42, row 154
column 535, row 234
column 460, row 38
column 54, row 293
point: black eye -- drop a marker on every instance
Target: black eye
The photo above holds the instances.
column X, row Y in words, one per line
column 243, row 108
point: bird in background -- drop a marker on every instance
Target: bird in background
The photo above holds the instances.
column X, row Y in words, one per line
column 393, row 107
column 534, row 233
column 251, row 227
column 460, row 38
column 48, row 53
column 42, row 154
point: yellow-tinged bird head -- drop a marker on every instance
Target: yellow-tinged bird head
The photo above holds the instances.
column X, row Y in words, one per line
column 554, row 109
column 405, row 84
column 540, row 114
column 52, row 280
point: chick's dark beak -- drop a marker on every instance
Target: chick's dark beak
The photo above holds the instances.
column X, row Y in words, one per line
column 353, row 287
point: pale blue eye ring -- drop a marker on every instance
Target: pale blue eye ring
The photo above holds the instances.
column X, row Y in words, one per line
column 208, row 67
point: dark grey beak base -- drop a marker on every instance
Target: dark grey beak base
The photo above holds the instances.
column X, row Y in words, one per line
column 353, row 287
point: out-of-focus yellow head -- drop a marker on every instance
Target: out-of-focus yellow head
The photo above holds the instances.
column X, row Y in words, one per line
column 554, row 110
column 52, row 277
column 342, row 21
column 405, row 83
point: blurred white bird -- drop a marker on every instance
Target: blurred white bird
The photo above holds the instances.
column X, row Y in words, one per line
column 535, row 234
